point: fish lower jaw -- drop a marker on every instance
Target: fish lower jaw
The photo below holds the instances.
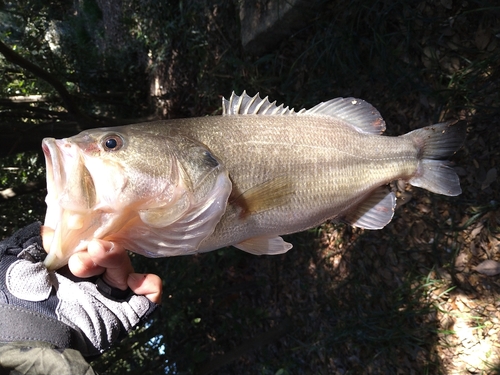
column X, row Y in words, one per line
column 70, row 235
column 52, row 262
column 57, row 258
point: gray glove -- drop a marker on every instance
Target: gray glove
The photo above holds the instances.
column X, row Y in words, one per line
column 67, row 312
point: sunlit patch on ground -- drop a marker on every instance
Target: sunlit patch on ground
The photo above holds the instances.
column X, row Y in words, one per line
column 469, row 338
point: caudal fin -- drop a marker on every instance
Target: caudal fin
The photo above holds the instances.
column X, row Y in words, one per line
column 436, row 143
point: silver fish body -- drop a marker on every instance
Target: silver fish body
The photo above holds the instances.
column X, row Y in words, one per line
column 243, row 179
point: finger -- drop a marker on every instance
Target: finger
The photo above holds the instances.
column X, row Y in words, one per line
column 148, row 285
column 81, row 265
column 47, row 234
column 114, row 259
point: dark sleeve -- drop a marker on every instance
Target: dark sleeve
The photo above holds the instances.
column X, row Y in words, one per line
column 38, row 358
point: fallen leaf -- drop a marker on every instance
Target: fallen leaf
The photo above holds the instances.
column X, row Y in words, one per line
column 488, row 267
column 491, row 176
column 476, row 230
column 461, row 262
column 482, row 38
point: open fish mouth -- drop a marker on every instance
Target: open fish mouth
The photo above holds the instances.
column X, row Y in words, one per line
column 69, row 183
column 56, row 179
column 70, row 197
column 55, row 171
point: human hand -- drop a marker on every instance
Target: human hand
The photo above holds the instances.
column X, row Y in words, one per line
column 66, row 311
column 112, row 262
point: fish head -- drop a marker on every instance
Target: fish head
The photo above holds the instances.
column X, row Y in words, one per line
column 122, row 183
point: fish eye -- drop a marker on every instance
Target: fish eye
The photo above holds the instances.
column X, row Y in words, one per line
column 112, row 142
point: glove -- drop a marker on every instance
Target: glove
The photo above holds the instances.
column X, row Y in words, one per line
column 37, row 305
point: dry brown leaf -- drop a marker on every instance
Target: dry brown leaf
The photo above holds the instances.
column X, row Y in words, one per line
column 461, row 306
column 491, row 177
column 461, row 262
column 482, row 38
column 476, row 230
column 488, row 267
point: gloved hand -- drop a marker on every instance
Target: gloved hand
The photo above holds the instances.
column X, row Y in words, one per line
column 68, row 312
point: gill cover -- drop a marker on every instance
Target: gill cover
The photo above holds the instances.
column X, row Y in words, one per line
column 200, row 200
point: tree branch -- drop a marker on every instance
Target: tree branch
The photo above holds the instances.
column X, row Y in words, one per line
column 13, row 57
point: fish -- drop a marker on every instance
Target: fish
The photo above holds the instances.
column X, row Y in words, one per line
column 244, row 178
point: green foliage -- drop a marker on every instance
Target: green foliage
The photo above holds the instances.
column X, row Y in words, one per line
column 26, row 34
column 16, row 173
column 106, row 76
column 20, row 169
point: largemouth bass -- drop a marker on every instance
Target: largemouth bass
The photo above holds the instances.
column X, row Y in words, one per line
column 245, row 178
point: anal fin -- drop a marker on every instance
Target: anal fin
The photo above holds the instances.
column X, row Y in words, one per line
column 375, row 212
column 266, row 245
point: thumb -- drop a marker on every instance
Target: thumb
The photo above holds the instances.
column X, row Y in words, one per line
column 148, row 285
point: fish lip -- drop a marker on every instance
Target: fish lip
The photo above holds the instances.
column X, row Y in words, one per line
column 59, row 155
column 57, row 152
column 55, row 172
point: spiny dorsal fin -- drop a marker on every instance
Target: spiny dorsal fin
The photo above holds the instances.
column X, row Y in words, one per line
column 253, row 105
column 355, row 112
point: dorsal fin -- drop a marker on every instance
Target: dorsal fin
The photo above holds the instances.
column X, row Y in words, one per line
column 253, row 105
column 355, row 112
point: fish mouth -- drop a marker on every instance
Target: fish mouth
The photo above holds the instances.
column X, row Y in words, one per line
column 70, row 198
column 55, row 172
column 69, row 182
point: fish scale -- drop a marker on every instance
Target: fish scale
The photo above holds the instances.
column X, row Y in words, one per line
column 245, row 178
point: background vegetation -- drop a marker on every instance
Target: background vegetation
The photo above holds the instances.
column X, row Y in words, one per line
column 409, row 299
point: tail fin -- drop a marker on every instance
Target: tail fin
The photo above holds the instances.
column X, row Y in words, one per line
column 436, row 143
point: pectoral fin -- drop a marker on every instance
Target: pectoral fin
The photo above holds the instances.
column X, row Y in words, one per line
column 375, row 212
column 270, row 194
column 264, row 245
